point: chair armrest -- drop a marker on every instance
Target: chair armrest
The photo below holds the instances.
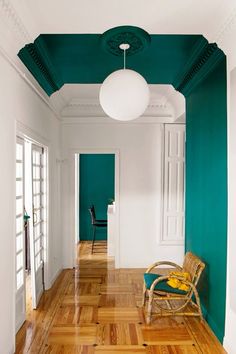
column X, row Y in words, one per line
column 157, row 264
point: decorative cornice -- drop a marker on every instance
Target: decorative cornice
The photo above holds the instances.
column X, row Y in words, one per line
column 74, row 120
column 91, row 102
column 226, row 27
column 9, row 15
column 29, row 83
column 202, row 61
column 93, row 109
column 197, row 50
column 36, row 59
column 16, row 36
column 97, row 105
column 225, row 35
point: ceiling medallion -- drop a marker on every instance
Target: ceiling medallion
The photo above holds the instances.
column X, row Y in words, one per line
column 137, row 39
column 124, row 95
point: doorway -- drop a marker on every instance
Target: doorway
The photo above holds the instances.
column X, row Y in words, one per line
column 94, row 168
column 31, row 225
column 96, row 187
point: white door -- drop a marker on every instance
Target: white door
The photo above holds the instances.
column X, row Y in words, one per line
column 174, row 181
column 20, row 256
column 37, row 241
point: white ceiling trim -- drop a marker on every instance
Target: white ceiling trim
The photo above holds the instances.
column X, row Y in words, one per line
column 186, row 17
column 225, row 27
column 96, row 111
column 23, row 25
column 11, row 18
column 107, row 120
column 225, row 37
column 82, row 100
column 13, row 36
column 31, row 82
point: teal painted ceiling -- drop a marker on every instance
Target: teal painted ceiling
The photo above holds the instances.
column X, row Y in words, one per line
column 58, row 59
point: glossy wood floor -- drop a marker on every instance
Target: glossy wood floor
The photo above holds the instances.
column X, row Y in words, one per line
column 94, row 309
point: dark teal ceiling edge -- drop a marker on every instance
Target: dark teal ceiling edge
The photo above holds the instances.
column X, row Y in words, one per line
column 35, row 58
column 201, row 61
column 204, row 58
column 197, row 50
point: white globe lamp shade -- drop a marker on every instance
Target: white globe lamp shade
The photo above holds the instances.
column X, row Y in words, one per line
column 124, row 95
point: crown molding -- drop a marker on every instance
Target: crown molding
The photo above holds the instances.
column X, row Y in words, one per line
column 67, row 121
column 92, row 108
column 36, row 59
column 14, row 35
column 9, row 15
column 204, row 58
column 226, row 28
column 198, row 49
column 154, row 102
column 165, row 102
column 28, row 82
column 57, row 101
column 225, row 37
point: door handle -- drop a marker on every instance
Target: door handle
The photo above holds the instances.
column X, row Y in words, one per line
column 35, row 217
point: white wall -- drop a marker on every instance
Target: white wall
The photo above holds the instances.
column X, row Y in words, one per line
column 140, row 170
column 226, row 38
column 230, row 324
column 19, row 102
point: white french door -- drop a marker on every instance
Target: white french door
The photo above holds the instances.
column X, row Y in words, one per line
column 38, row 239
column 20, row 253
column 30, row 197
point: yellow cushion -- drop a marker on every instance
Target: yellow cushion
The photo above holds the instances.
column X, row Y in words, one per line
column 177, row 283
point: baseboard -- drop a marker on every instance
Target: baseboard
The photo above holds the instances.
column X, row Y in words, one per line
column 12, row 351
column 54, row 278
column 229, row 347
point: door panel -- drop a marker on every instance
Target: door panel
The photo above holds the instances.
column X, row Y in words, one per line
column 19, row 263
column 174, row 185
column 37, row 242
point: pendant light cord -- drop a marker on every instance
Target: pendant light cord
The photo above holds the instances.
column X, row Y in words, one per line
column 124, row 47
column 124, row 59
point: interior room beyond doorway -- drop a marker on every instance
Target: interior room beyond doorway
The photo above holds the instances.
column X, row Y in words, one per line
column 95, row 187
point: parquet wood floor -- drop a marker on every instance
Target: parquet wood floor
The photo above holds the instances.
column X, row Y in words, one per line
column 95, row 309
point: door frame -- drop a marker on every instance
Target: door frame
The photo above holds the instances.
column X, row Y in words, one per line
column 74, row 153
column 28, row 134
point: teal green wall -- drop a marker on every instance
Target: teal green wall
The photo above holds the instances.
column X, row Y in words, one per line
column 206, row 189
column 96, row 186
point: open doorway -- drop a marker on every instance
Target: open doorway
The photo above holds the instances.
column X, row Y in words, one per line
column 95, row 187
column 31, row 225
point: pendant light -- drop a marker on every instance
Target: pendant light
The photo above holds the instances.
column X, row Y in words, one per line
column 124, row 94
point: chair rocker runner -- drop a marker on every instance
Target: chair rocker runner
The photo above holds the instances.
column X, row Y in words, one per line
column 173, row 301
column 96, row 223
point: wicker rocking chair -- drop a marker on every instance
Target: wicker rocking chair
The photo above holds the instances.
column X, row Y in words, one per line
column 173, row 301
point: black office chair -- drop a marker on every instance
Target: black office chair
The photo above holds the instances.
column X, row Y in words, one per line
column 95, row 223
